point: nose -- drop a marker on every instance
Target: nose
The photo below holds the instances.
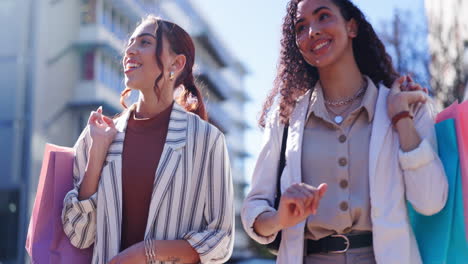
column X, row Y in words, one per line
column 130, row 50
column 314, row 30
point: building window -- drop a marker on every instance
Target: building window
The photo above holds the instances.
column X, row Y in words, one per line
column 87, row 72
column 88, row 12
column 110, row 72
column 107, row 16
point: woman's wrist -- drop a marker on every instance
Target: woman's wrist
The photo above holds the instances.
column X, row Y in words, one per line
column 267, row 223
column 98, row 149
column 92, row 173
column 150, row 251
column 277, row 222
column 399, row 116
column 408, row 135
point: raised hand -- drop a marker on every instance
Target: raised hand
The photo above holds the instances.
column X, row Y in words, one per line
column 412, row 86
column 298, row 202
column 399, row 101
column 102, row 130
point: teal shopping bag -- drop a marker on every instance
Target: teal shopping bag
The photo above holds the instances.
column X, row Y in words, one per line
column 441, row 237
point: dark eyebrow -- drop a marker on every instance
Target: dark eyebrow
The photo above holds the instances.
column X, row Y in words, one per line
column 313, row 13
column 320, row 9
column 142, row 35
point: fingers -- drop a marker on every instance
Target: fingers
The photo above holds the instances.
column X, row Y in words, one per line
column 304, row 199
column 396, row 86
column 320, row 192
column 94, row 118
column 414, row 97
column 307, row 195
column 108, row 121
column 416, row 87
column 412, row 86
column 322, row 189
column 97, row 118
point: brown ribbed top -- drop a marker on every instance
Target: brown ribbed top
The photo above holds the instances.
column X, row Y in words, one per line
column 143, row 146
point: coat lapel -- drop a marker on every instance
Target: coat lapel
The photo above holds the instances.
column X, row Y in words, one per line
column 292, row 246
column 168, row 163
column 380, row 127
column 294, row 142
column 111, row 183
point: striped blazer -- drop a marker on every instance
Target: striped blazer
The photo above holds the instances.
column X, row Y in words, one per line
column 192, row 195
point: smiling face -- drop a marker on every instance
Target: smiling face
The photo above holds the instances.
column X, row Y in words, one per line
column 140, row 64
column 323, row 36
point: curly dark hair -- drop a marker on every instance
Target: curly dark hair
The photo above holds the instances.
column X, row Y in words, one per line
column 295, row 76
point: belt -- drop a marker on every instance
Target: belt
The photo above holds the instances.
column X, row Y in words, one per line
column 337, row 243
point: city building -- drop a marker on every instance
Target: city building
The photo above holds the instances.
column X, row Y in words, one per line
column 448, row 44
column 60, row 60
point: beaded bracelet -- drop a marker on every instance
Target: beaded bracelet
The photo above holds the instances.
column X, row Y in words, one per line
column 399, row 116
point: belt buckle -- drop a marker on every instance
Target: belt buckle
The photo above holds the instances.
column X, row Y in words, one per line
column 346, row 239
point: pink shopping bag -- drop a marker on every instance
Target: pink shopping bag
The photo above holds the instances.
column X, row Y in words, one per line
column 459, row 112
column 46, row 241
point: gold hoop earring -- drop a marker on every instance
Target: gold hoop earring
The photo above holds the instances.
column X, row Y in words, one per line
column 171, row 75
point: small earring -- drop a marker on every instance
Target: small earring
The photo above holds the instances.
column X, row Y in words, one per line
column 171, row 75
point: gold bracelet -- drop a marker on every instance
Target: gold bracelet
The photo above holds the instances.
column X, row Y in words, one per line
column 152, row 253
column 149, row 251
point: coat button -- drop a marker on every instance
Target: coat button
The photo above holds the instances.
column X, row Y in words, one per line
column 344, row 184
column 344, row 206
column 342, row 138
column 343, row 162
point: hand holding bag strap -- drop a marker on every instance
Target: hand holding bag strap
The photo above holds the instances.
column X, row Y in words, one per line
column 273, row 247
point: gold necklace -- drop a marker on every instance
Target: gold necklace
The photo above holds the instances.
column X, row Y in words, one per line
column 348, row 100
column 339, row 117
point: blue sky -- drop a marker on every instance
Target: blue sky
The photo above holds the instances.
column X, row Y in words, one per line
column 250, row 29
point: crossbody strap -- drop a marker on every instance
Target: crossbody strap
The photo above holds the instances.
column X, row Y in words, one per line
column 281, row 165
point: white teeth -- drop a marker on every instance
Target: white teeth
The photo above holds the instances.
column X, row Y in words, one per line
column 133, row 65
column 321, row 45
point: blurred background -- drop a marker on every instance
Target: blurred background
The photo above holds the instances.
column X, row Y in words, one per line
column 60, row 59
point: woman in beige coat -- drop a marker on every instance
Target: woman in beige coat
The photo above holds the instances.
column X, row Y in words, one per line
column 358, row 147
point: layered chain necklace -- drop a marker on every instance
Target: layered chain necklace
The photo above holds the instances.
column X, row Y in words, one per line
column 347, row 101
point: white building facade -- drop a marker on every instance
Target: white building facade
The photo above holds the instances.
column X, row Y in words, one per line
column 61, row 59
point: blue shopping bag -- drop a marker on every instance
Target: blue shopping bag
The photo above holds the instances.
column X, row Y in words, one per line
column 441, row 237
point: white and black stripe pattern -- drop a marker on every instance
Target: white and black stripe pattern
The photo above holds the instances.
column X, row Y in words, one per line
column 192, row 195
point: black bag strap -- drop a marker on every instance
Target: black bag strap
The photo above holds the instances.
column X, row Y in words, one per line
column 282, row 164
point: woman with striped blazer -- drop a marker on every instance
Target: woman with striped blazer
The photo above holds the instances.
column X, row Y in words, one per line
column 154, row 184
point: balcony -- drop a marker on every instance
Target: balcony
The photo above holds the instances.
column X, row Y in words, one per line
column 135, row 9
column 237, row 111
column 96, row 35
column 236, row 146
column 95, row 93
column 219, row 117
column 236, row 82
column 212, row 78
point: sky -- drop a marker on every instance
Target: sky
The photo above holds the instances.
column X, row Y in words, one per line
column 250, row 29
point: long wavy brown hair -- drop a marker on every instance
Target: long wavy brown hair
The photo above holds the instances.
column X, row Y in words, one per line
column 295, row 76
column 180, row 42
